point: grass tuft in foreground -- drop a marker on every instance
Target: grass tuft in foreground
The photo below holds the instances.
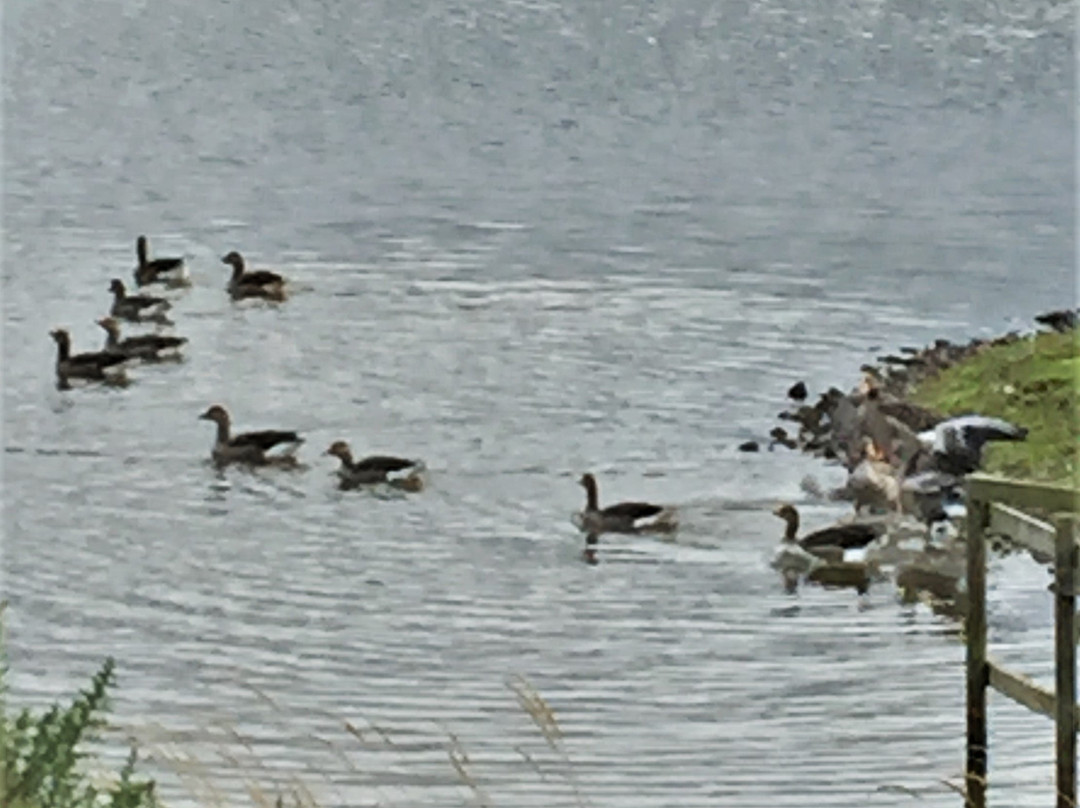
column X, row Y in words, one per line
column 40, row 757
column 1033, row 382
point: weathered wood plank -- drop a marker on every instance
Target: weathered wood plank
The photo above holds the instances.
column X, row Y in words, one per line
column 975, row 629
column 1050, row 498
column 1024, row 530
column 1065, row 661
column 1021, row 689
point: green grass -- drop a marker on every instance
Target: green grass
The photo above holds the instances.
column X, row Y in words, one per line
column 41, row 757
column 1033, row 382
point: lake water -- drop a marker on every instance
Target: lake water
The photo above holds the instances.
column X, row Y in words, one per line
column 528, row 239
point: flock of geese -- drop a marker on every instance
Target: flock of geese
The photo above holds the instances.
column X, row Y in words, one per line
column 269, row 447
column 911, row 483
column 272, row 447
column 951, row 450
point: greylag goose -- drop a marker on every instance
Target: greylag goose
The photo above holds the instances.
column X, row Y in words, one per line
column 624, row 517
column 261, row 283
column 827, row 541
column 896, row 441
column 137, row 308
column 874, row 483
column 85, row 366
column 375, row 469
column 956, row 444
column 159, row 269
column 148, row 347
column 827, row 556
column 249, row 447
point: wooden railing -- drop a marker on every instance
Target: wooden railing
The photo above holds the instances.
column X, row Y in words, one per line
column 997, row 506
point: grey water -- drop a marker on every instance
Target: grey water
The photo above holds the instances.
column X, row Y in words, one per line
column 526, row 239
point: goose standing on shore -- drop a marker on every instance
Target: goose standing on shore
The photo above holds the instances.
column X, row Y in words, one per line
column 624, row 517
column 148, row 347
column 873, row 483
column 375, row 469
column 261, row 283
column 89, row 366
column 166, row 270
column 137, row 308
column 249, row 447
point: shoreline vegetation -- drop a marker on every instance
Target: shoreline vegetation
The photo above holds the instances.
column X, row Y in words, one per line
column 1031, row 379
column 42, row 754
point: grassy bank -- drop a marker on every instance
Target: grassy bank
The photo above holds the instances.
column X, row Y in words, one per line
column 1033, row 382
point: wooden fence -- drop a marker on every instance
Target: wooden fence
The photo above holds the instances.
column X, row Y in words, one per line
column 997, row 506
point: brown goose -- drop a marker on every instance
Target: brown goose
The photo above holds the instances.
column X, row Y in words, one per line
column 159, row 269
column 826, row 541
column 249, row 447
column 873, row 483
column 375, row 469
column 148, row 347
column 261, row 283
column 623, row 517
column 137, row 308
column 86, row 366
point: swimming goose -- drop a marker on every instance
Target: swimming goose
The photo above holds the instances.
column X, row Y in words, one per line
column 829, row 557
column 87, row 366
column 160, row 269
column 624, row 517
column 137, row 308
column 261, row 283
column 957, row 444
column 825, row 542
column 148, row 347
column 375, row 469
column 249, row 447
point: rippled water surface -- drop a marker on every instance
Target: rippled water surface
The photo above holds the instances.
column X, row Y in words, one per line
column 527, row 239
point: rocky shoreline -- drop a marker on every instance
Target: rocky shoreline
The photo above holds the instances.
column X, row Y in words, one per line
column 826, row 428
column 876, row 425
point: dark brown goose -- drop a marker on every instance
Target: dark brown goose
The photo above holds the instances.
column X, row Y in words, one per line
column 148, row 347
column 623, row 517
column 375, row 469
column 87, row 366
column 845, row 536
column 137, row 308
column 156, row 270
column 260, row 283
column 249, row 447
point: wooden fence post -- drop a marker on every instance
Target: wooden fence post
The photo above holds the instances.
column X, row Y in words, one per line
column 975, row 627
column 1065, row 661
